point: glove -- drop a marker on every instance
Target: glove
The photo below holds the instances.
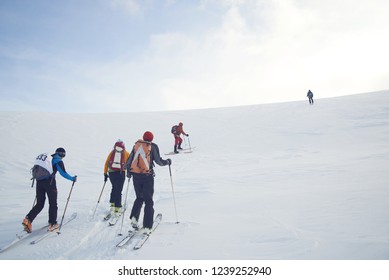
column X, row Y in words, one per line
column 169, row 161
column 105, row 177
column 74, row 179
column 128, row 175
column 187, row 135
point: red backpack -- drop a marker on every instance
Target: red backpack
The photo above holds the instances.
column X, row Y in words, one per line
column 117, row 159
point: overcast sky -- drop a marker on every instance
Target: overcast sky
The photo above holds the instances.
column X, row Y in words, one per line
column 133, row 55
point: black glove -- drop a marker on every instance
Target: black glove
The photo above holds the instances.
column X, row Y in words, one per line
column 169, row 161
column 128, row 175
column 187, row 135
column 75, row 179
column 105, row 177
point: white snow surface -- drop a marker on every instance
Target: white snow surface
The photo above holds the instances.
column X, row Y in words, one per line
column 285, row 181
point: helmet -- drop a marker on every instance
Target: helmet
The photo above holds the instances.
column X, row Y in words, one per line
column 61, row 152
column 148, row 136
column 120, row 143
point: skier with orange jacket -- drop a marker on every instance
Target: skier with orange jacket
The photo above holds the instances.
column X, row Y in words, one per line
column 115, row 170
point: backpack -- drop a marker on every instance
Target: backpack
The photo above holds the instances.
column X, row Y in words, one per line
column 174, row 129
column 141, row 163
column 116, row 160
column 42, row 168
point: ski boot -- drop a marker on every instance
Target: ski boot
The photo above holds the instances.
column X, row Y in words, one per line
column 27, row 225
column 53, row 227
column 134, row 224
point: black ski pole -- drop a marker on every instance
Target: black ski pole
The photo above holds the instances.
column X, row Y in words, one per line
column 125, row 207
column 174, row 198
column 32, row 185
column 66, row 206
column 190, row 148
column 98, row 201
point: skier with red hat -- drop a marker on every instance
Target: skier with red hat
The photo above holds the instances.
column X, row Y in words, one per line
column 140, row 166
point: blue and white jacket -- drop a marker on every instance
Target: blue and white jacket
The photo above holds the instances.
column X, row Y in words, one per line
column 58, row 165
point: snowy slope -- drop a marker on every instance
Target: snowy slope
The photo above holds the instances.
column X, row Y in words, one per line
column 277, row 181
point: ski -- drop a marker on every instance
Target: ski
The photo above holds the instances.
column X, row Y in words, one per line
column 114, row 218
column 111, row 212
column 181, row 151
column 108, row 216
column 145, row 237
column 20, row 236
column 171, row 154
column 126, row 239
column 49, row 233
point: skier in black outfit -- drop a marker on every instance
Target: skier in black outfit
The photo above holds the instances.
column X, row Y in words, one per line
column 140, row 166
column 48, row 186
column 310, row 97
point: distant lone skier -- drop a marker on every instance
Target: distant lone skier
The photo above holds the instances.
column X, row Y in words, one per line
column 310, row 97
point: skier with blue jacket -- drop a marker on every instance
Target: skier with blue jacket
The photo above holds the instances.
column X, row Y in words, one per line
column 48, row 186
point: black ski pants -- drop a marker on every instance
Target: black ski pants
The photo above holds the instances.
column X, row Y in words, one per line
column 144, row 190
column 117, row 179
column 45, row 187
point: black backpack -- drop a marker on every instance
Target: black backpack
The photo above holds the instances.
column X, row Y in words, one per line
column 174, row 129
column 37, row 171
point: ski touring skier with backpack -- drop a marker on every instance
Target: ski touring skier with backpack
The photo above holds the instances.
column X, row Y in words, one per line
column 310, row 97
column 140, row 166
column 44, row 172
column 177, row 130
column 114, row 169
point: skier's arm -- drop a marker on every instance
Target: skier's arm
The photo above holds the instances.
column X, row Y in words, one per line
column 129, row 161
column 155, row 155
column 62, row 171
column 106, row 163
column 183, row 132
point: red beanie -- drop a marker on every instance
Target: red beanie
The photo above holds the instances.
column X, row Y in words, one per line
column 120, row 143
column 148, row 136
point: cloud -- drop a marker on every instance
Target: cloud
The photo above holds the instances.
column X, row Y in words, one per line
column 230, row 53
column 132, row 7
column 303, row 46
column 260, row 52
